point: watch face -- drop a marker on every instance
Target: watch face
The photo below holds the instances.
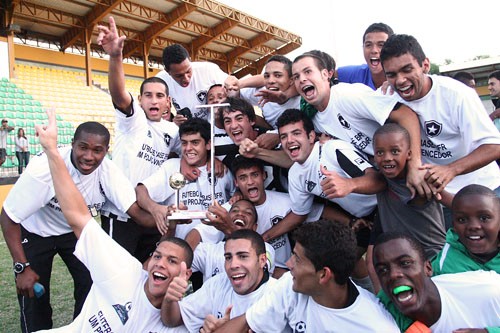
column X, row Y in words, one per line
column 18, row 267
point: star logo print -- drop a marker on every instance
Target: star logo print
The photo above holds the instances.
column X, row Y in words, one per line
column 433, row 128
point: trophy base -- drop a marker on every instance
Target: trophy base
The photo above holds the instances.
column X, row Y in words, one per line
column 188, row 215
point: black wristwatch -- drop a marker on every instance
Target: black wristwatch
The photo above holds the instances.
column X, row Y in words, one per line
column 19, row 267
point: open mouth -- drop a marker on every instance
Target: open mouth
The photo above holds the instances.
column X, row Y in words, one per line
column 154, row 110
column 238, row 277
column 239, row 222
column 403, row 293
column 475, row 238
column 308, row 91
column 406, row 91
column 294, row 151
column 375, row 61
column 273, row 88
column 159, row 277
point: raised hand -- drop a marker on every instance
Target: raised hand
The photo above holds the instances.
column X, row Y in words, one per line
column 109, row 40
column 178, row 286
column 48, row 133
column 334, row 185
column 210, row 324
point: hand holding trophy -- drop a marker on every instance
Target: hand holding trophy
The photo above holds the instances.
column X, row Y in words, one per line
column 177, row 182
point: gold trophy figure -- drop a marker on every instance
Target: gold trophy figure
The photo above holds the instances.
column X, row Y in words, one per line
column 177, row 182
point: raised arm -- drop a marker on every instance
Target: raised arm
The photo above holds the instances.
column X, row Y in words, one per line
column 113, row 45
column 70, row 199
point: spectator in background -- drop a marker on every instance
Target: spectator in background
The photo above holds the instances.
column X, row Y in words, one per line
column 4, row 131
column 466, row 78
column 22, row 152
column 371, row 74
column 494, row 88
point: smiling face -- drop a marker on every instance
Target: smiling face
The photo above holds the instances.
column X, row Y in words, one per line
column 373, row 43
column 88, row 152
column 251, row 184
column 216, row 95
column 194, row 149
column 404, row 275
column 407, row 77
column 154, row 100
column 494, row 87
column 181, row 73
column 391, row 153
column 238, row 126
column 296, row 142
column 243, row 215
column 243, row 266
column 276, row 77
column 164, row 265
column 312, row 83
column 476, row 220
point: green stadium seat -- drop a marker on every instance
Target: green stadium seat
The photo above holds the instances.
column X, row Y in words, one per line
column 4, row 79
column 37, row 103
column 21, row 115
column 9, row 101
column 38, row 109
column 8, row 163
column 2, row 93
column 30, row 115
column 41, row 116
column 10, row 140
column 2, row 107
column 28, row 101
column 3, row 90
column 10, row 108
column 9, row 114
column 20, row 123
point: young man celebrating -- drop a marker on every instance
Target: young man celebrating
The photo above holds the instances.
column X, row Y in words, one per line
column 317, row 293
column 143, row 141
column 117, row 302
column 246, row 280
column 444, row 303
column 188, row 81
column 195, row 146
column 35, row 229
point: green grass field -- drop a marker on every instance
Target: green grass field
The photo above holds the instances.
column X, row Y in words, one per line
column 61, row 293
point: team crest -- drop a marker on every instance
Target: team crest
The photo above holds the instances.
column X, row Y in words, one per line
column 210, row 179
column 300, row 327
column 167, row 139
column 275, row 220
column 433, row 128
column 122, row 311
column 149, row 134
column 201, row 95
column 310, row 185
column 343, row 122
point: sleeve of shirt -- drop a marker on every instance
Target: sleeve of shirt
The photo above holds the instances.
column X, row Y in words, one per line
column 301, row 200
column 268, row 314
column 21, row 202
column 116, row 186
column 200, row 257
column 340, row 153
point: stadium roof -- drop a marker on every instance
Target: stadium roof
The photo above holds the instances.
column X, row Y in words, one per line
column 209, row 30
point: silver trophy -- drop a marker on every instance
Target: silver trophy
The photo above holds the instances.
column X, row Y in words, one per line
column 177, row 182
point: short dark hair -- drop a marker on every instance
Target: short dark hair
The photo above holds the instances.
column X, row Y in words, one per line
column 242, row 162
column 391, row 235
column 237, row 104
column 398, row 45
column 378, row 27
column 329, row 244
column 154, row 79
column 188, row 252
column 393, row 128
column 174, row 54
column 214, row 86
column 92, row 127
column 195, row 125
column 474, row 189
column 284, row 60
column 495, row 74
column 292, row 116
column 463, row 75
column 254, row 237
column 318, row 59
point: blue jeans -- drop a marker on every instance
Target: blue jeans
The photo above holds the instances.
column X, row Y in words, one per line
column 23, row 157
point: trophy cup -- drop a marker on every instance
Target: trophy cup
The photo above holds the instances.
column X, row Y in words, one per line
column 177, row 182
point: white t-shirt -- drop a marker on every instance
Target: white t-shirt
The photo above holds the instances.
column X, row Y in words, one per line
column 141, row 147
column 270, row 111
column 195, row 195
column 116, row 301
column 214, row 297
column 21, row 143
column 453, row 123
column 209, row 259
column 304, row 179
column 354, row 113
column 282, row 306
column 32, row 200
column 205, row 74
column 3, row 137
column 470, row 299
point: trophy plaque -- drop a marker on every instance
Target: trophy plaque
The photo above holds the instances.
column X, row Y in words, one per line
column 177, row 182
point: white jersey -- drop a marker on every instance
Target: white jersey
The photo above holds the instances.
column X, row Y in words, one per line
column 354, row 113
column 195, row 195
column 270, row 111
column 205, row 74
column 141, row 147
column 336, row 155
column 3, row 137
column 21, row 144
column 283, row 307
column 209, row 259
column 116, row 301
column 470, row 299
column 214, row 297
column 453, row 123
column 39, row 213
